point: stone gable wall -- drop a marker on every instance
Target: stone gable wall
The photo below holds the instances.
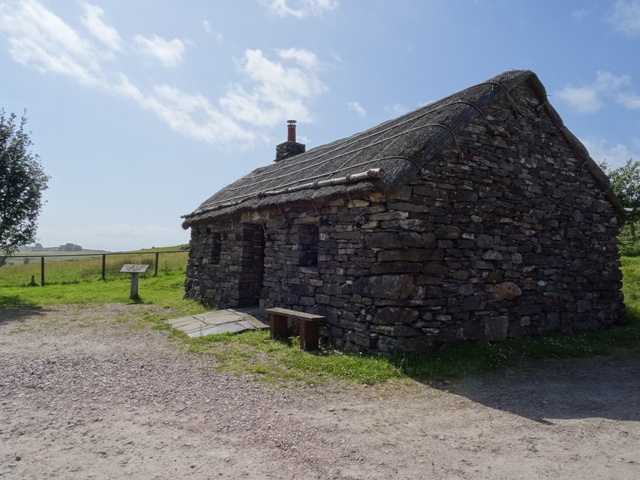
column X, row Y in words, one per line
column 513, row 238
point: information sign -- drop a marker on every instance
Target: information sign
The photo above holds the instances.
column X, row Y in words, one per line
column 133, row 268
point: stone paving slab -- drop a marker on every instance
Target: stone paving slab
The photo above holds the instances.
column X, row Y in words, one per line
column 232, row 327
column 219, row 321
column 178, row 323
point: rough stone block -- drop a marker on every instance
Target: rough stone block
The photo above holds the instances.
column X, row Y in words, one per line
column 434, row 268
column 396, row 267
column 410, row 255
column 392, row 240
column 395, row 315
column 395, row 330
column 473, row 303
column 504, row 291
column 496, row 328
column 449, row 232
column 484, row 241
column 385, row 286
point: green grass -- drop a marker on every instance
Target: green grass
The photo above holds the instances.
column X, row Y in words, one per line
column 64, row 268
column 276, row 361
column 165, row 291
column 254, row 353
column 473, row 359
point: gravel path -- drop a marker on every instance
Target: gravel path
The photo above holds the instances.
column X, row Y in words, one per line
column 92, row 392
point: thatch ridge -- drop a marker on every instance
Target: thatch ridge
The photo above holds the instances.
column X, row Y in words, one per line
column 396, row 150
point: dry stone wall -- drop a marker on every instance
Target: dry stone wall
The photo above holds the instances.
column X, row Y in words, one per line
column 504, row 234
column 235, row 279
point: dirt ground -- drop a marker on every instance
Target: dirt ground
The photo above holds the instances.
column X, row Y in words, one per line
column 92, row 392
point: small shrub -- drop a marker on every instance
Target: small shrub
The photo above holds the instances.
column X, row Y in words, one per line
column 629, row 248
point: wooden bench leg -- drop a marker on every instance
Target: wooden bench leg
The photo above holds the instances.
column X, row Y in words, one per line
column 278, row 324
column 309, row 335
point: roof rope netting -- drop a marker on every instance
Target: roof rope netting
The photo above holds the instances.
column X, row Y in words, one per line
column 315, row 162
column 257, row 185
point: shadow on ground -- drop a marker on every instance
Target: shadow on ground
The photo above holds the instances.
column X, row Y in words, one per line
column 599, row 387
column 12, row 311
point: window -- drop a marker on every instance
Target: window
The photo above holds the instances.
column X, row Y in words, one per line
column 308, row 241
column 216, row 247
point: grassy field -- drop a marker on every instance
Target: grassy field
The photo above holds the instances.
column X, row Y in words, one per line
column 256, row 354
column 27, row 257
column 75, row 267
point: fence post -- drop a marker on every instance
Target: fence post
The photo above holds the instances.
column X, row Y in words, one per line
column 155, row 274
column 42, row 271
column 104, row 267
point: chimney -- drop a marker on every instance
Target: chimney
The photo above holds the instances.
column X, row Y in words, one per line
column 290, row 147
column 291, row 130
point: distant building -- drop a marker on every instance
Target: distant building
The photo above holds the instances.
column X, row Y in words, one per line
column 477, row 217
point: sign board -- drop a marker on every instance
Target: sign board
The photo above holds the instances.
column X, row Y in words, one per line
column 133, row 268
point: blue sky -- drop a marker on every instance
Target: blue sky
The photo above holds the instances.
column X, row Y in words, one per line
column 141, row 109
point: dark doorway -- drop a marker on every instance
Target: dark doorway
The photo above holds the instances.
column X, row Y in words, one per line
column 253, row 247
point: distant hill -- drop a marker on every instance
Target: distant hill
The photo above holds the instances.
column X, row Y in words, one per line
column 68, row 248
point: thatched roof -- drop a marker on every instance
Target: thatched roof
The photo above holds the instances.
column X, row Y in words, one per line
column 378, row 159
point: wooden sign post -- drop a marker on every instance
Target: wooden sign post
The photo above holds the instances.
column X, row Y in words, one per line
column 135, row 271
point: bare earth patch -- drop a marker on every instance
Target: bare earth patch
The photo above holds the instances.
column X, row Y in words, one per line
column 91, row 392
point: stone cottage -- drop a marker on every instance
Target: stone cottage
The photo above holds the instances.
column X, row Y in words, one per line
column 477, row 217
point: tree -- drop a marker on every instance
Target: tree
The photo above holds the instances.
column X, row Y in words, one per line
column 625, row 183
column 70, row 247
column 22, row 181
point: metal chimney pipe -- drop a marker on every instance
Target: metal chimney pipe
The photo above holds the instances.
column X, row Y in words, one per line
column 291, row 130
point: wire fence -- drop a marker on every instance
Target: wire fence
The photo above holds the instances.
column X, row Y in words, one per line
column 68, row 268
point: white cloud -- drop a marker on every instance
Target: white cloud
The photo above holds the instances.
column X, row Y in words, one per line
column 93, row 22
column 301, row 8
column 194, row 116
column 267, row 91
column 581, row 99
column 122, row 86
column 305, row 58
column 590, row 98
column 625, row 17
column 281, row 91
column 608, row 81
column 40, row 39
column 615, row 155
column 169, row 52
column 209, row 29
column 396, row 110
column 356, row 107
column 190, row 115
column 629, row 100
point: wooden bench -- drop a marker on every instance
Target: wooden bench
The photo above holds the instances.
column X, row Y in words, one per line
column 308, row 323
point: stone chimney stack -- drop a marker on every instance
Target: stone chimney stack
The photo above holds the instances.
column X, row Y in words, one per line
column 290, row 147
